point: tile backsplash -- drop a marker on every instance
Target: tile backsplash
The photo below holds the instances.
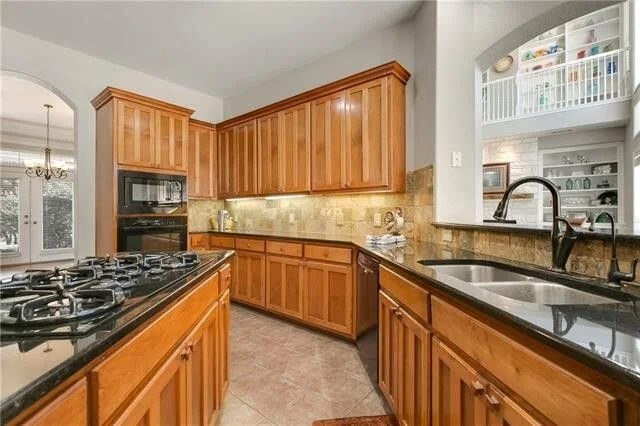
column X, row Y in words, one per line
column 348, row 215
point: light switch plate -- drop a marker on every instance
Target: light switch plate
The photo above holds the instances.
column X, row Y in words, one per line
column 339, row 218
column 447, row 236
column 292, row 219
column 456, row 159
column 377, row 220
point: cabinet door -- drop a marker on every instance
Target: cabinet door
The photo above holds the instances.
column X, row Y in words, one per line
column 196, row 371
column 202, row 162
column 388, row 350
column 226, row 163
column 171, row 141
column 211, row 362
column 135, row 134
column 198, row 242
column 269, row 155
column 246, row 159
column 284, row 285
column 162, row 401
column 224, row 311
column 413, row 371
column 457, row 391
column 328, row 296
column 328, row 143
column 295, row 140
column 68, row 409
column 249, row 278
column 367, row 136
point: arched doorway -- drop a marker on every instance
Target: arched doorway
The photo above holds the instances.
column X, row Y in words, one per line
column 36, row 214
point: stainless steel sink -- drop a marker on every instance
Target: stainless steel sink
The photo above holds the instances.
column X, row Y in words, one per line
column 519, row 286
column 479, row 273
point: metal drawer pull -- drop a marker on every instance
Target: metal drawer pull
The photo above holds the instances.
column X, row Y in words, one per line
column 492, row 401
column 478, row 387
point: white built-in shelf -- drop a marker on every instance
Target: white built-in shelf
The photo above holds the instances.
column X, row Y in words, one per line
column 547, row 40
column 581, row 176
column 596, row 25
column 551, row 55
column 600, row 207
column 593, row 43
column 576, row 191
column 594, row 163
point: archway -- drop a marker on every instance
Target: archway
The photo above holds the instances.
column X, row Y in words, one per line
column 38, row 215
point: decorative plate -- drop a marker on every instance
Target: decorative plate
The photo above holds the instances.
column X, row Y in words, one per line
column 503, row 64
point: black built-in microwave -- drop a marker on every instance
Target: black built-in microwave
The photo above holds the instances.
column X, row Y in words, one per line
column 142, row 193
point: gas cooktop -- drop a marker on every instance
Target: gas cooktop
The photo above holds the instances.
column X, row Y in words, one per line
column 81, row 298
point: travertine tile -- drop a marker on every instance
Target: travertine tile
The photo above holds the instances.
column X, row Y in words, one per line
column 237, row 413
column 373, row 405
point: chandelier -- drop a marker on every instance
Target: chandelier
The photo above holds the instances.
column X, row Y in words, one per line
column 47, row 171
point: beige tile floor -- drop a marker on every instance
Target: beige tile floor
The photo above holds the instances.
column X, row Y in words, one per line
column 283, row 374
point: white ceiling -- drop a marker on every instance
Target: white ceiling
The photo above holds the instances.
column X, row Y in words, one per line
column 220, row 48
column 23, row 100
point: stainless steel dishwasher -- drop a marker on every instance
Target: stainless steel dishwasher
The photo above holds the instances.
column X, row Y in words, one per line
column 367, row 313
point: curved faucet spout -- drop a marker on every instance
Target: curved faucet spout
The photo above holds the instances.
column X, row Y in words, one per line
column 561, row 242
column 501, row 210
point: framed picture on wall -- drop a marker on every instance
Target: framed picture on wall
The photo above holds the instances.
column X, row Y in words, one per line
column 495, row 178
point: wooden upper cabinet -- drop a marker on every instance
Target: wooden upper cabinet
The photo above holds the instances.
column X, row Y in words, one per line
column 172, row 133
column 202, row 164
column 246, row 160
column 367, row 135
column 226, row 163
column 328, row 142
column 295, row 131
column 135, row 134
column 270, row 163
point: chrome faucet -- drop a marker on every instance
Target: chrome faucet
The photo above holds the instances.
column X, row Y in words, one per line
column 614, row 276
column 561, row 241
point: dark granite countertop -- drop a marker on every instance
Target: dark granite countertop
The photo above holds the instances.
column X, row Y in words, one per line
column 606, row 337
column 622, row 232
column 31, row 367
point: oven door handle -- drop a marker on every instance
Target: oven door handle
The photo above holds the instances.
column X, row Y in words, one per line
column 160, row 227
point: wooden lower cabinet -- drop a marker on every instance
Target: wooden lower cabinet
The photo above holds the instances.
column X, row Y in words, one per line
column 248, row 281
column 460, row 396
column 328, row 296
column 68, row 409
column 199, row 242
column 184, row 390
column 403, row 363
column 223, row 346
column 284, row 285
column 162, row 400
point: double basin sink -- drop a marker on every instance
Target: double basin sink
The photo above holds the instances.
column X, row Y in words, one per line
column 516, row 285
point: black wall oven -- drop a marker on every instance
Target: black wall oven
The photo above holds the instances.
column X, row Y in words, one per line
column 152, row 234
column 142, row 193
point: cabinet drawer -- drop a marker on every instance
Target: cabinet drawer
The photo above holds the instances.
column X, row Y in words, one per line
column 199, row 241
column 139, row 356
column 332, row 254
column 287, row 249
column 250, row 244
column 408, row 294
column 217, row 241
column 545, row 385
column 225, row 277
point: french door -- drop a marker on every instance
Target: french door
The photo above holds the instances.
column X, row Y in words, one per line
column 36, row 219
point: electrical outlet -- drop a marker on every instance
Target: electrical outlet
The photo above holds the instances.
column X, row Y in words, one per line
column 339, row 218
column 377, row 220
column 292, row 219
column 456, row 159
column 447, row 236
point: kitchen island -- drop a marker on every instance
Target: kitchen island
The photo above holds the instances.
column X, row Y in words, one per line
column 117, row 370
